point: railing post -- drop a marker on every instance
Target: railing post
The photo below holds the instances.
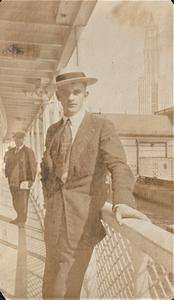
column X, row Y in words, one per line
column 1, row 151
column 36, row 193
column 32, row 138
column 89, row 288
column 141, row 280
column 134, row 260
column 27, row 138
column 38, row 141
column 46, row 119
column 137, row 157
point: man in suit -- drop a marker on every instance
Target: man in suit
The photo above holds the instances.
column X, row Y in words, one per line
column 20, row 169
column 80, row 149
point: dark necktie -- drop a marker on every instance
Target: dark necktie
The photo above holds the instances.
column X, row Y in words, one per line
column 17, row 150
column 64, row 150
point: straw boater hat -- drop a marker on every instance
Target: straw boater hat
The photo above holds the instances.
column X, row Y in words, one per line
column 19, row 134
column 68, row 78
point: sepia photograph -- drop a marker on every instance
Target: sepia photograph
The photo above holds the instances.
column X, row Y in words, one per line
column 86, row 150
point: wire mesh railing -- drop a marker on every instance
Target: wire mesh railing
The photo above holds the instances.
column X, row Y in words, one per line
column 133, row 261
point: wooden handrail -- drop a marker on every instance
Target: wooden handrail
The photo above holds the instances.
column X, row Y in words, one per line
column 149, row 238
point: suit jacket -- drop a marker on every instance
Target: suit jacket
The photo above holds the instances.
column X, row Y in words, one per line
column 26, row 161
column 95, row 150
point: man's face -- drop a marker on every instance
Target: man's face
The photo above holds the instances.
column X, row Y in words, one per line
column 19, row 141
column 72, row 97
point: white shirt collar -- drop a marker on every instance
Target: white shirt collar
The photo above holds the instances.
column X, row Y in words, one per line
column 76, row 121
column 18, row 149
column 77, row 118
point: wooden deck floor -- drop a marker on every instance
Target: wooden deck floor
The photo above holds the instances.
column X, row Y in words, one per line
column 22, row 251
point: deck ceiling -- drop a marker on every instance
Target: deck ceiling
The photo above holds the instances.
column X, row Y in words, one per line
column 37, row 39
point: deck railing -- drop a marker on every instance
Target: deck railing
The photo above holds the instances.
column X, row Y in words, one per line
column 133, row 261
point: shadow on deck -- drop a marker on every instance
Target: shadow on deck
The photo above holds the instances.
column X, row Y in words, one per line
column 22, row 251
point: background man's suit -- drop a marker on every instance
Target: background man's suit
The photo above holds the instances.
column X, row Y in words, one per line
column 20, row 166
column 73, row 209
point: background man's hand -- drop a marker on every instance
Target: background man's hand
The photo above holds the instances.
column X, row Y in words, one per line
column 125, row 211
column 30, row 183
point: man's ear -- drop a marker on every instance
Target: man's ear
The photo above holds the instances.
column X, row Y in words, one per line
column 57, row 95
column 86, row 94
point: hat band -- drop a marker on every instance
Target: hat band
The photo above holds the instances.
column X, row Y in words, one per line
column 72, row 75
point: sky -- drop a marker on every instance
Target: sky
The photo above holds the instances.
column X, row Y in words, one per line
column 111, row 48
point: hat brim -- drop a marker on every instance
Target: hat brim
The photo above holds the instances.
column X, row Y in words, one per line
column 87, row 80
column 19, row 135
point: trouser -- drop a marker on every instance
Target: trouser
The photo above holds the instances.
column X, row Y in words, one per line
column 64, row 268
column 64, row 273
column 20, row 203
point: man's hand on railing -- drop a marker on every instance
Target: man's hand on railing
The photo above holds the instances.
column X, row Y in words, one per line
column 124, row 211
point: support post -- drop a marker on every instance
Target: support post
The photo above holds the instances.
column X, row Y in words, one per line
column 38, row 150
column 166, row 150
column 137, row 156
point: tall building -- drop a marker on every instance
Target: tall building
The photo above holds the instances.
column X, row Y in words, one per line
column 148, row 85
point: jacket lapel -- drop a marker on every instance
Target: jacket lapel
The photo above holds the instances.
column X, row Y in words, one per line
column 84, row 134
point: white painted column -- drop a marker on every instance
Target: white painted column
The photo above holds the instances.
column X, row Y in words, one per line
column 27, row 139
column 37, row 137
column 33, row 137
column 55, row 110
column 1, row 153
column 46, row 118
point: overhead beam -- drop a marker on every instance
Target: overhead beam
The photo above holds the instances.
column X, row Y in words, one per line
column 29, row 11
column 21, row 111
column 16, row 95
column 32, row 108
column 67, row 11
column 26, row 73
column 37, row 27
column 20, row 106
column 4, row 84
column 18, row 115
column 18, row 80
column 30, row 41
column 83, row 14
column 33, row 33
column 11, row 90
column 28, row 52
column 20, row 101
column 6, row 63
column 40, row 59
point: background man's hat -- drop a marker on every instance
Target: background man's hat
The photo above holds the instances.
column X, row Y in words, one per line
column 19, row 134
column 68, row 78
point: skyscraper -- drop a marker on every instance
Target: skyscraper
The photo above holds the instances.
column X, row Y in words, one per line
column 148, row 83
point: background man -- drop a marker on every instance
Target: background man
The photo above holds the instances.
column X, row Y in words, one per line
column 20, row 169
column 80, row 148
